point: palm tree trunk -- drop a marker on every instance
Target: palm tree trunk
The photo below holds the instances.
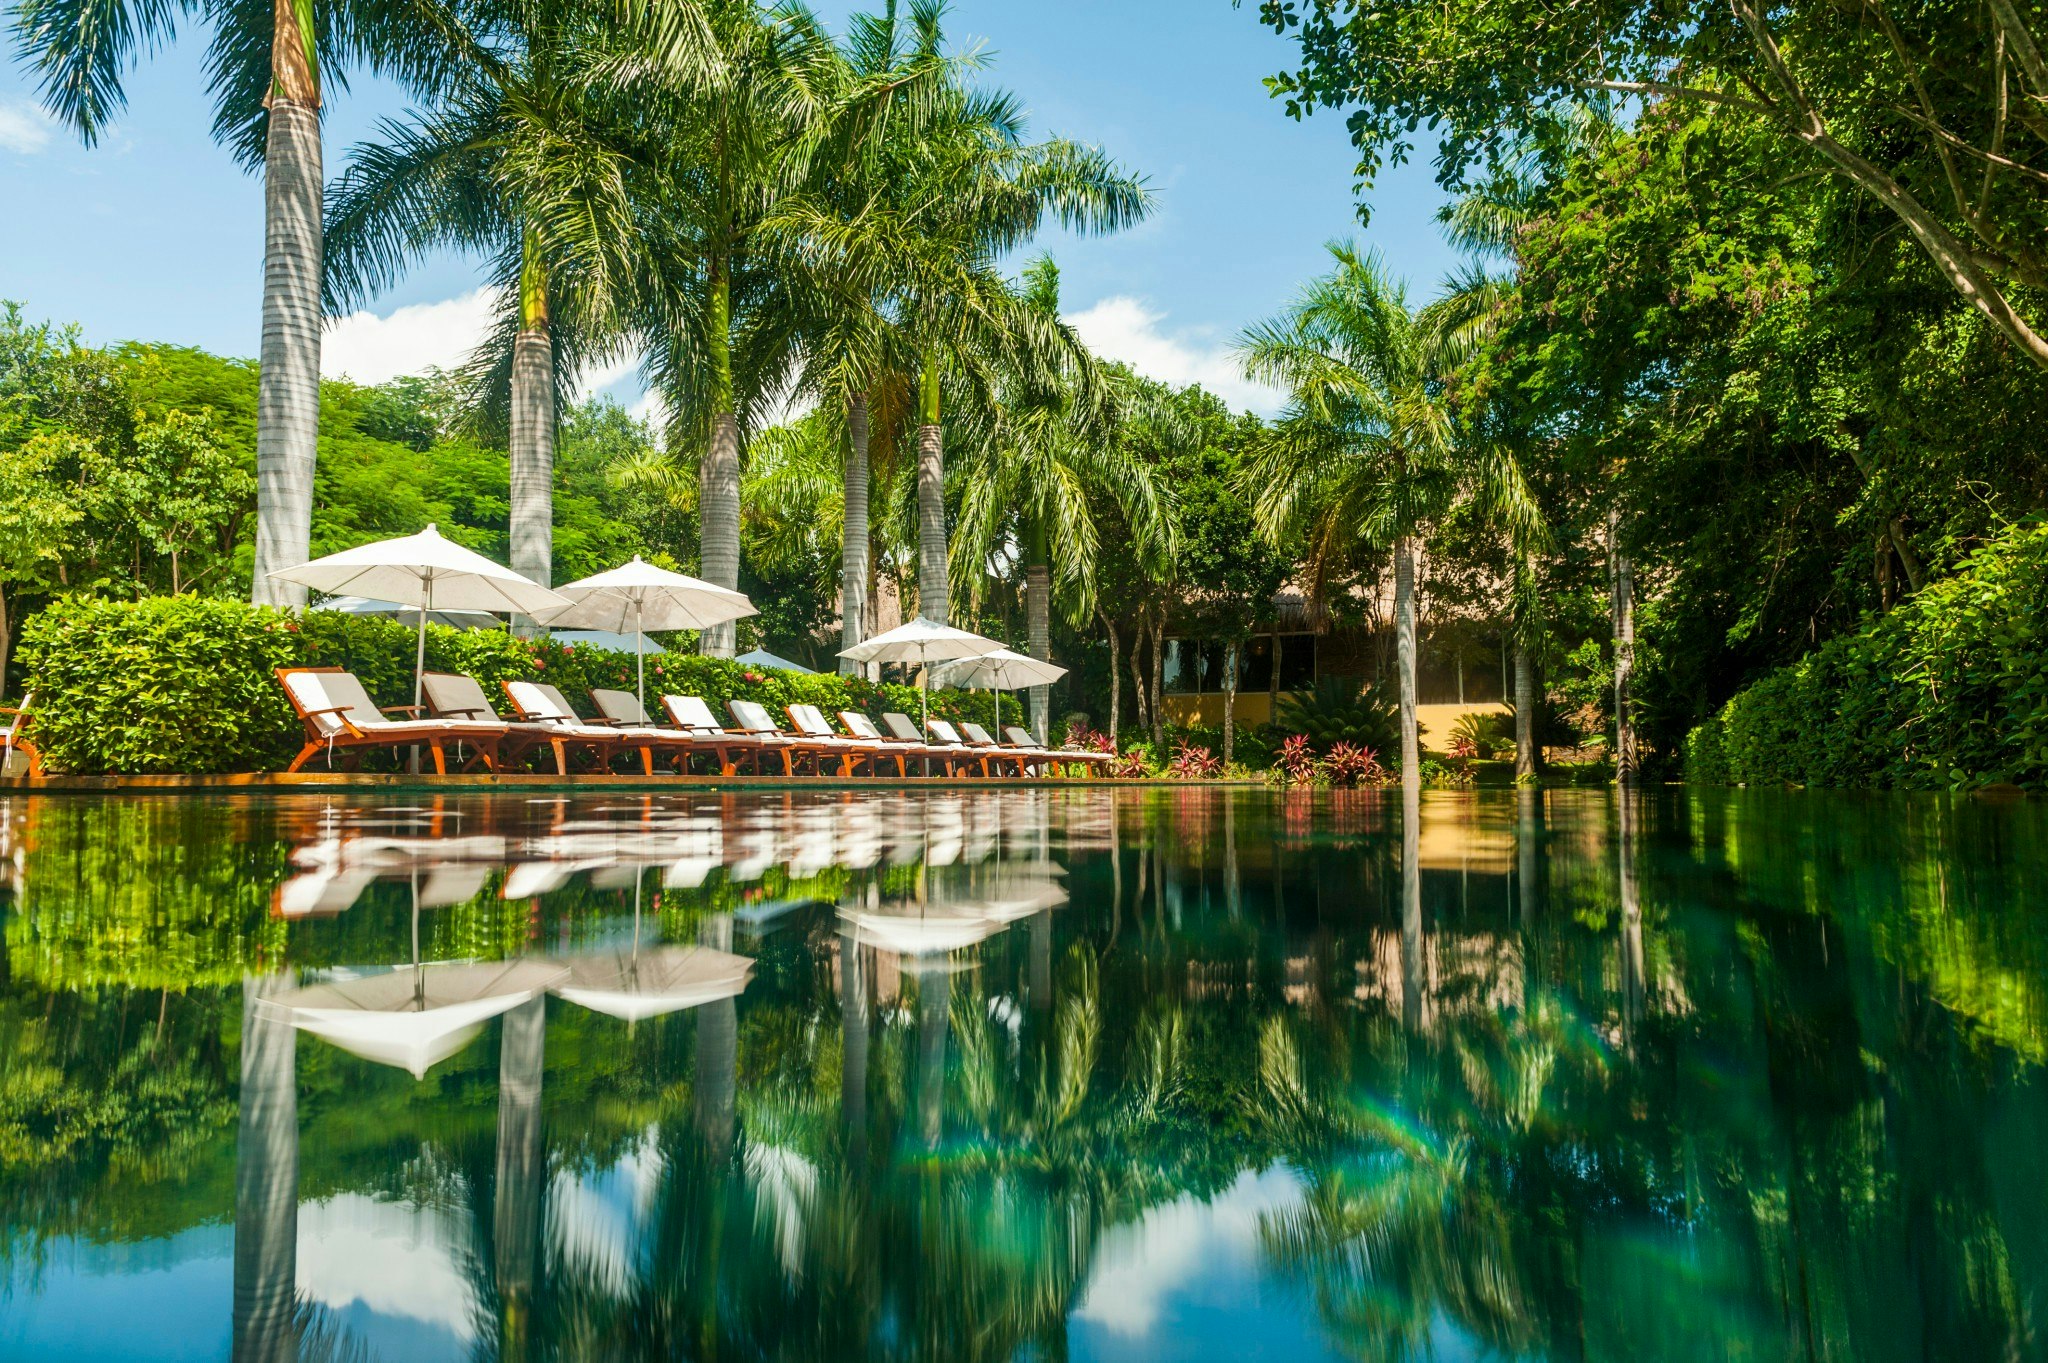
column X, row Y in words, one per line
column 1404, row 647
column 1115, row 679
column 1230, row 658
column 1038, row 612
column 1623, row 581
column 288, row 378
column 1157, row 706
column 1141, row 714
column 718, row 477
column 266, row 1184
column 533, row 432
column 932, row 600
column 1525, row 712
column 853, row 554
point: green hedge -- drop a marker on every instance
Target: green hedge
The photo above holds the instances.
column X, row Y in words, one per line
column 186, row 684
column 1949, row 689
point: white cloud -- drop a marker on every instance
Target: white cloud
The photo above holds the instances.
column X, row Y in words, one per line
column 24, row 128
column 371, row 349
column 1178, row 1252
column 1125, row 328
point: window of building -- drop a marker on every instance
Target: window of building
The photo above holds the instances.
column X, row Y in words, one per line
column 1196, row 668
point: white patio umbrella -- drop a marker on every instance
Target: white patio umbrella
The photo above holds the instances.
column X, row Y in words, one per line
column 413, row 1016
column 637, row 597
column 642, row 984
column 427, row 571
column 923, row 642
column 1002, row 670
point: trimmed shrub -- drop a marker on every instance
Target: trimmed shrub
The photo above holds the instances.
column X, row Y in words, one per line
column 1342, row 710
column 1949, row 689
column 185, row 684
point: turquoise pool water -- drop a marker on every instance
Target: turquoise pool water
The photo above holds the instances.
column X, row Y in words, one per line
column 1023, row 1074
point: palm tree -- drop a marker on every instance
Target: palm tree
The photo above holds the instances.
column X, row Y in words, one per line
column 517, row 160
column 734, row 104
column 266, row 64
column 1041, row 464
column 1368, row 452
column 952, row 195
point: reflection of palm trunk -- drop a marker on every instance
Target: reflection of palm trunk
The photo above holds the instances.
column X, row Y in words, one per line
column 934, row 998
column 266, row 1186
column 522, row 1168
column 1041, row 961
column 1528, row 827
column 1411, row 905
column 853, row 1059
column 1233, row 888
column 718, row 1055
column 1631, row 912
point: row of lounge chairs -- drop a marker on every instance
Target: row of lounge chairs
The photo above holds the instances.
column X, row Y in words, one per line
column 463, row 731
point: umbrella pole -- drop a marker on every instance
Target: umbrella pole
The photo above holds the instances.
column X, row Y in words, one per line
column 924, row 701
column 640, row 649
column 419, row 666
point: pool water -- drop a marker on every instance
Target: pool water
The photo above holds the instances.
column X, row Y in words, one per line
column 1071, row 1073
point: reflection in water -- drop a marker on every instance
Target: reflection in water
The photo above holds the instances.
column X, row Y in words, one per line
column 1025, row 1075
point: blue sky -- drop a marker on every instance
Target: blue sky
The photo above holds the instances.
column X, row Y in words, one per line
column 156, row 235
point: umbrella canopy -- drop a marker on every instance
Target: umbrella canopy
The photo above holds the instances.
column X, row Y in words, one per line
column 428, row 571
column 638, row 597
column 424, row 570
column 923, row 642
column 761, row 657
column 408, row 615
column 1002, row 670
column 413, row 1017
column 920, row 641
column 642, row 984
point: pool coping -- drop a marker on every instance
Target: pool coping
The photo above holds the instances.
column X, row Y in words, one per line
column 473, row 781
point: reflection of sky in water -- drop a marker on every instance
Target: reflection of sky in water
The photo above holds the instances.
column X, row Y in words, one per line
column 156, row 1299
column 597, row 1219
column 389, row 1274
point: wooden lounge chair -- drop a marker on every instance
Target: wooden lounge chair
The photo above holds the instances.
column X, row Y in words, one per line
column 753, row 718
column 693, row 716
column 811, row 723
column 452, row 695
column 1029, row 759
column 894, row 746
column 339, row 715
column 1091, row 762
column 905, row 728
column 14, row 735
column 623, row 710
column 540, row 703
column 949, row 737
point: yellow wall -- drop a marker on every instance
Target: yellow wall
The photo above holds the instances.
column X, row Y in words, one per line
column 1255, row 708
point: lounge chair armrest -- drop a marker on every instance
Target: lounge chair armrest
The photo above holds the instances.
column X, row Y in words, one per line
column 414, row 710
column 471, row 712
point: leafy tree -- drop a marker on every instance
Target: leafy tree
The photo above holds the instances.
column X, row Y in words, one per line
column 1932, row 112
column 182, row 485
column 266, row 71
column 37, row 516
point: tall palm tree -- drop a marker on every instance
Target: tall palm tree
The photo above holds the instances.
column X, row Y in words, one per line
column 1368, row 453
column 950, row 198
column 1040, row 465
column 518, row 159
column 734, row 103
column 266, row 65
